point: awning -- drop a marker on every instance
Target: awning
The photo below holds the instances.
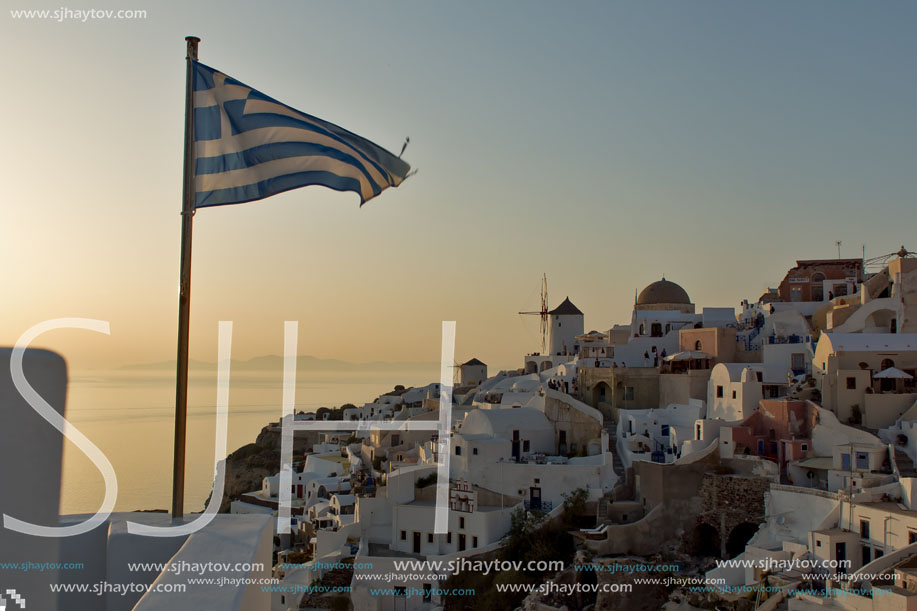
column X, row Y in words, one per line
column 688, row 355
column 817, row 462
column 893, row 373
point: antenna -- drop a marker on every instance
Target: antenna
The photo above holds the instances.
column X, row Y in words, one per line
column 838, row 244
column 543, row 312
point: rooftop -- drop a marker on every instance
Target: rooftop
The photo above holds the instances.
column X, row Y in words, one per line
column 865, row 342
column 566, row 308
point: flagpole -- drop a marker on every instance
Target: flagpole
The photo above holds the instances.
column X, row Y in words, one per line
column 184, row 291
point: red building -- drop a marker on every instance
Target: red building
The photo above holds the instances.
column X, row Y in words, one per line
column 821, row 279
column 779, row 430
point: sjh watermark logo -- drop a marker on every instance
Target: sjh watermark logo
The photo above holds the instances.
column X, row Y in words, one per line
column 440, row 427
column 14, row 597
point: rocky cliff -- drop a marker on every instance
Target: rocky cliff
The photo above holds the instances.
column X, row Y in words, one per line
column 250, row 464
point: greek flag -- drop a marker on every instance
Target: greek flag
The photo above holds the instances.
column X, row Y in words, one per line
column 248, row 146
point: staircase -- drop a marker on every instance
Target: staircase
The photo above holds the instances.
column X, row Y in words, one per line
column 905, row 464
column 618, row 467
column 612, row 429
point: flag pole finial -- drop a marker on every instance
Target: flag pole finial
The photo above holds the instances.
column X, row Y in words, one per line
column 192, row 41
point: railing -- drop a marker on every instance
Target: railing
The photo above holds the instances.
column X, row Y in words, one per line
column 792, row 339
column 537, row 505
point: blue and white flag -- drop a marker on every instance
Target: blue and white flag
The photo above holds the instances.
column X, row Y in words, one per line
column 248, row 146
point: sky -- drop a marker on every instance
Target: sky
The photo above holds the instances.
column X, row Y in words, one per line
column 601, row 143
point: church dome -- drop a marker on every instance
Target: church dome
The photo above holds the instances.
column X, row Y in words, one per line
column 662, row 291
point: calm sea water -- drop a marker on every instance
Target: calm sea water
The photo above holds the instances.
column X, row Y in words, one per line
column 130, row 417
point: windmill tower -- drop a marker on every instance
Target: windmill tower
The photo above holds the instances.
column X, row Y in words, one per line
column 565, row 323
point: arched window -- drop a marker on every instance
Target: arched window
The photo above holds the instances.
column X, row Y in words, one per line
column 698, row 345
column 886, row 363
column 641, row 328
column 818, row 286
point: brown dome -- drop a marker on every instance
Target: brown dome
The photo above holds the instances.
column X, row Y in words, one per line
column 663, row 291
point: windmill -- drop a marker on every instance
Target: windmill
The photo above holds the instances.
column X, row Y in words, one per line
column 542, row 313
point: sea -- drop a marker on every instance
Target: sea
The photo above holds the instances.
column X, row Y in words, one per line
column 130, row 416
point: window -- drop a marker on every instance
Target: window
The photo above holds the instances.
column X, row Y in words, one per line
column 427, row 591
column 401, row 591
column 429, row 537
column 851, row 383
column 458, row 450
column 734, row 394
column 628, row 393
column 878, row 554
column 525, row 445
column 449, row 537
column 862, row 460
column 698, row 345
column 864, row 529
column 664, row 430
column 804, row 447
column 719, row 392
column 461, row 522
column 698, row 435
column 404, row 535
column 759, row 376
column 867, row 554
column 396, row 440
column 474, row 451
column 911, row 537
column 474, row 542
column 818, row 543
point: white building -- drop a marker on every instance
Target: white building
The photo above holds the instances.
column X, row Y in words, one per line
column 735, row 389
column 846, row 367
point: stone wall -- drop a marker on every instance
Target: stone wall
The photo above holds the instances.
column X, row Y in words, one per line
column 729, row 502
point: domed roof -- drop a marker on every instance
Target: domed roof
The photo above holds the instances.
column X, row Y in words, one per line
column 663, row 291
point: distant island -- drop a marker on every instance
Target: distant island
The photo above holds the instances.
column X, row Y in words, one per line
column 273, row 362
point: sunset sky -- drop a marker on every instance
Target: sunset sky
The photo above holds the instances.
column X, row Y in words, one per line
column 602, row 143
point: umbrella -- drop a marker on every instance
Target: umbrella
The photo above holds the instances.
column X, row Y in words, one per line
column 893, row 373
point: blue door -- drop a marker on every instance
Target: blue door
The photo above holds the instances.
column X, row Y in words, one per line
column 845, row 462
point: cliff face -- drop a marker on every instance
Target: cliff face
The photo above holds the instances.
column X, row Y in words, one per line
column 270, row 437
column 250, row 464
